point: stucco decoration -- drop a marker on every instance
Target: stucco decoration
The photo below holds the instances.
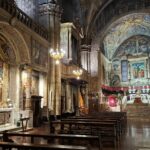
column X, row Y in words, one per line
column 124, row 28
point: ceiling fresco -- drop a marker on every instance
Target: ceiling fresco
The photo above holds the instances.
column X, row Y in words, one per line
column 124, row 28
column 134, row 46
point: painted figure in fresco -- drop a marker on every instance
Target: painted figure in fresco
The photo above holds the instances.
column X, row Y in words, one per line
column 138, row 70
column 115, row 81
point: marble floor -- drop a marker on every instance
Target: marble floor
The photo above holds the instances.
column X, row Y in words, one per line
column 136, row 137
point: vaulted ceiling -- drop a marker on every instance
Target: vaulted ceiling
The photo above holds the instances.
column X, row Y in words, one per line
column 108, row 23
column 85, row 10
column 96, row 15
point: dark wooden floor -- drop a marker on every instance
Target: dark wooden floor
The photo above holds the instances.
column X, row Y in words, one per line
column 137, row 136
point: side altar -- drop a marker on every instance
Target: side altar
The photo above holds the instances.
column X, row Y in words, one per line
column 6, row 118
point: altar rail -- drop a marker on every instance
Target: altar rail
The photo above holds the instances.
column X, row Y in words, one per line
column 24, row 18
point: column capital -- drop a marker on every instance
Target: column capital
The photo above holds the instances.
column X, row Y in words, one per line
column 85, row 48
column 51, row 9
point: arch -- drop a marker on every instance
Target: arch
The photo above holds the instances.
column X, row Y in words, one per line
column 16, row 42
column 115, row 9
column 133, row 46
column 124, row 28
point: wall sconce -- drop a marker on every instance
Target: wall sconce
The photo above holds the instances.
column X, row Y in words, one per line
column 77, row 73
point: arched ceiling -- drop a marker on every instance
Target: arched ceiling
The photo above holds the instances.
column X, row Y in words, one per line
column 124, row 28
column 14, row 41
column 90, row 9
column 100, row 20
column 84, row 10
column 138, row 45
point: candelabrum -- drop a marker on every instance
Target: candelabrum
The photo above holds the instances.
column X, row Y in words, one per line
column 57, row 55
column 78, row 73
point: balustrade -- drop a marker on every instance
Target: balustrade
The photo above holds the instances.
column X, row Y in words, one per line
column 24, row 18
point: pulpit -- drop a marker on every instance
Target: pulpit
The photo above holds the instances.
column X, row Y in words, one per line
column 36, row 108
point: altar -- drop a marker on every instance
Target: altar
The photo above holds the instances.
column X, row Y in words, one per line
column 138, row 97
column 6, row 119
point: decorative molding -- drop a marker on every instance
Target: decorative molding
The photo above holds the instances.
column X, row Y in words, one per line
column 51, row 9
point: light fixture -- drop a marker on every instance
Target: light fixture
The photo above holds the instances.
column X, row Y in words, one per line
column 78, row 73
column 57, row 54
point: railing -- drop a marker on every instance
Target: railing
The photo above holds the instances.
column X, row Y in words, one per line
column 24, row 18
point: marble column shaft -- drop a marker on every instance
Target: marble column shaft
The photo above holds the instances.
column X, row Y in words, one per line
column 68, row 97
column 28, row 89
column 51, row 12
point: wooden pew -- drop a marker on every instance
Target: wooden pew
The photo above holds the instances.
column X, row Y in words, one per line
column 8, row 145
column 121, row 117
column 50, row 137
column 116, row 122
column 100, row 128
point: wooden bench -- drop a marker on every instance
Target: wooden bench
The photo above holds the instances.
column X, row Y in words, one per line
column 49, row 137
column 120, row 117
column 8, row 145
column 103, row 129
column 117, row 122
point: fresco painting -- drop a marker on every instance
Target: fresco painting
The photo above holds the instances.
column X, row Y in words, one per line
column 123, row 29
column 138, row 70
column 133, row 46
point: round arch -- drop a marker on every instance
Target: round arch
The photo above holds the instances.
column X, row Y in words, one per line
column 16, row 42
column 122, row 29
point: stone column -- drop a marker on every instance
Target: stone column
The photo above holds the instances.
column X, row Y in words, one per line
column 50, row 15
column 28, row 89
column 100, row 76
column 57, row 90
column 86, row 96
column 68, row 97
column 85, row 57
column 78, row 98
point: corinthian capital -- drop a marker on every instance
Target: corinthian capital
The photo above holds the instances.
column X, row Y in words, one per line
column 50, row 8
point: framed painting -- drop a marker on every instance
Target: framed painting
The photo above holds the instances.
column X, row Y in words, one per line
column 138, row 70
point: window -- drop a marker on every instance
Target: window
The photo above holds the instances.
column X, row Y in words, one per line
column 124, row 70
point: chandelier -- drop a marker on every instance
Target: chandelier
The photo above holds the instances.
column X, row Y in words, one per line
column 78, row 73
column 57, row 55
